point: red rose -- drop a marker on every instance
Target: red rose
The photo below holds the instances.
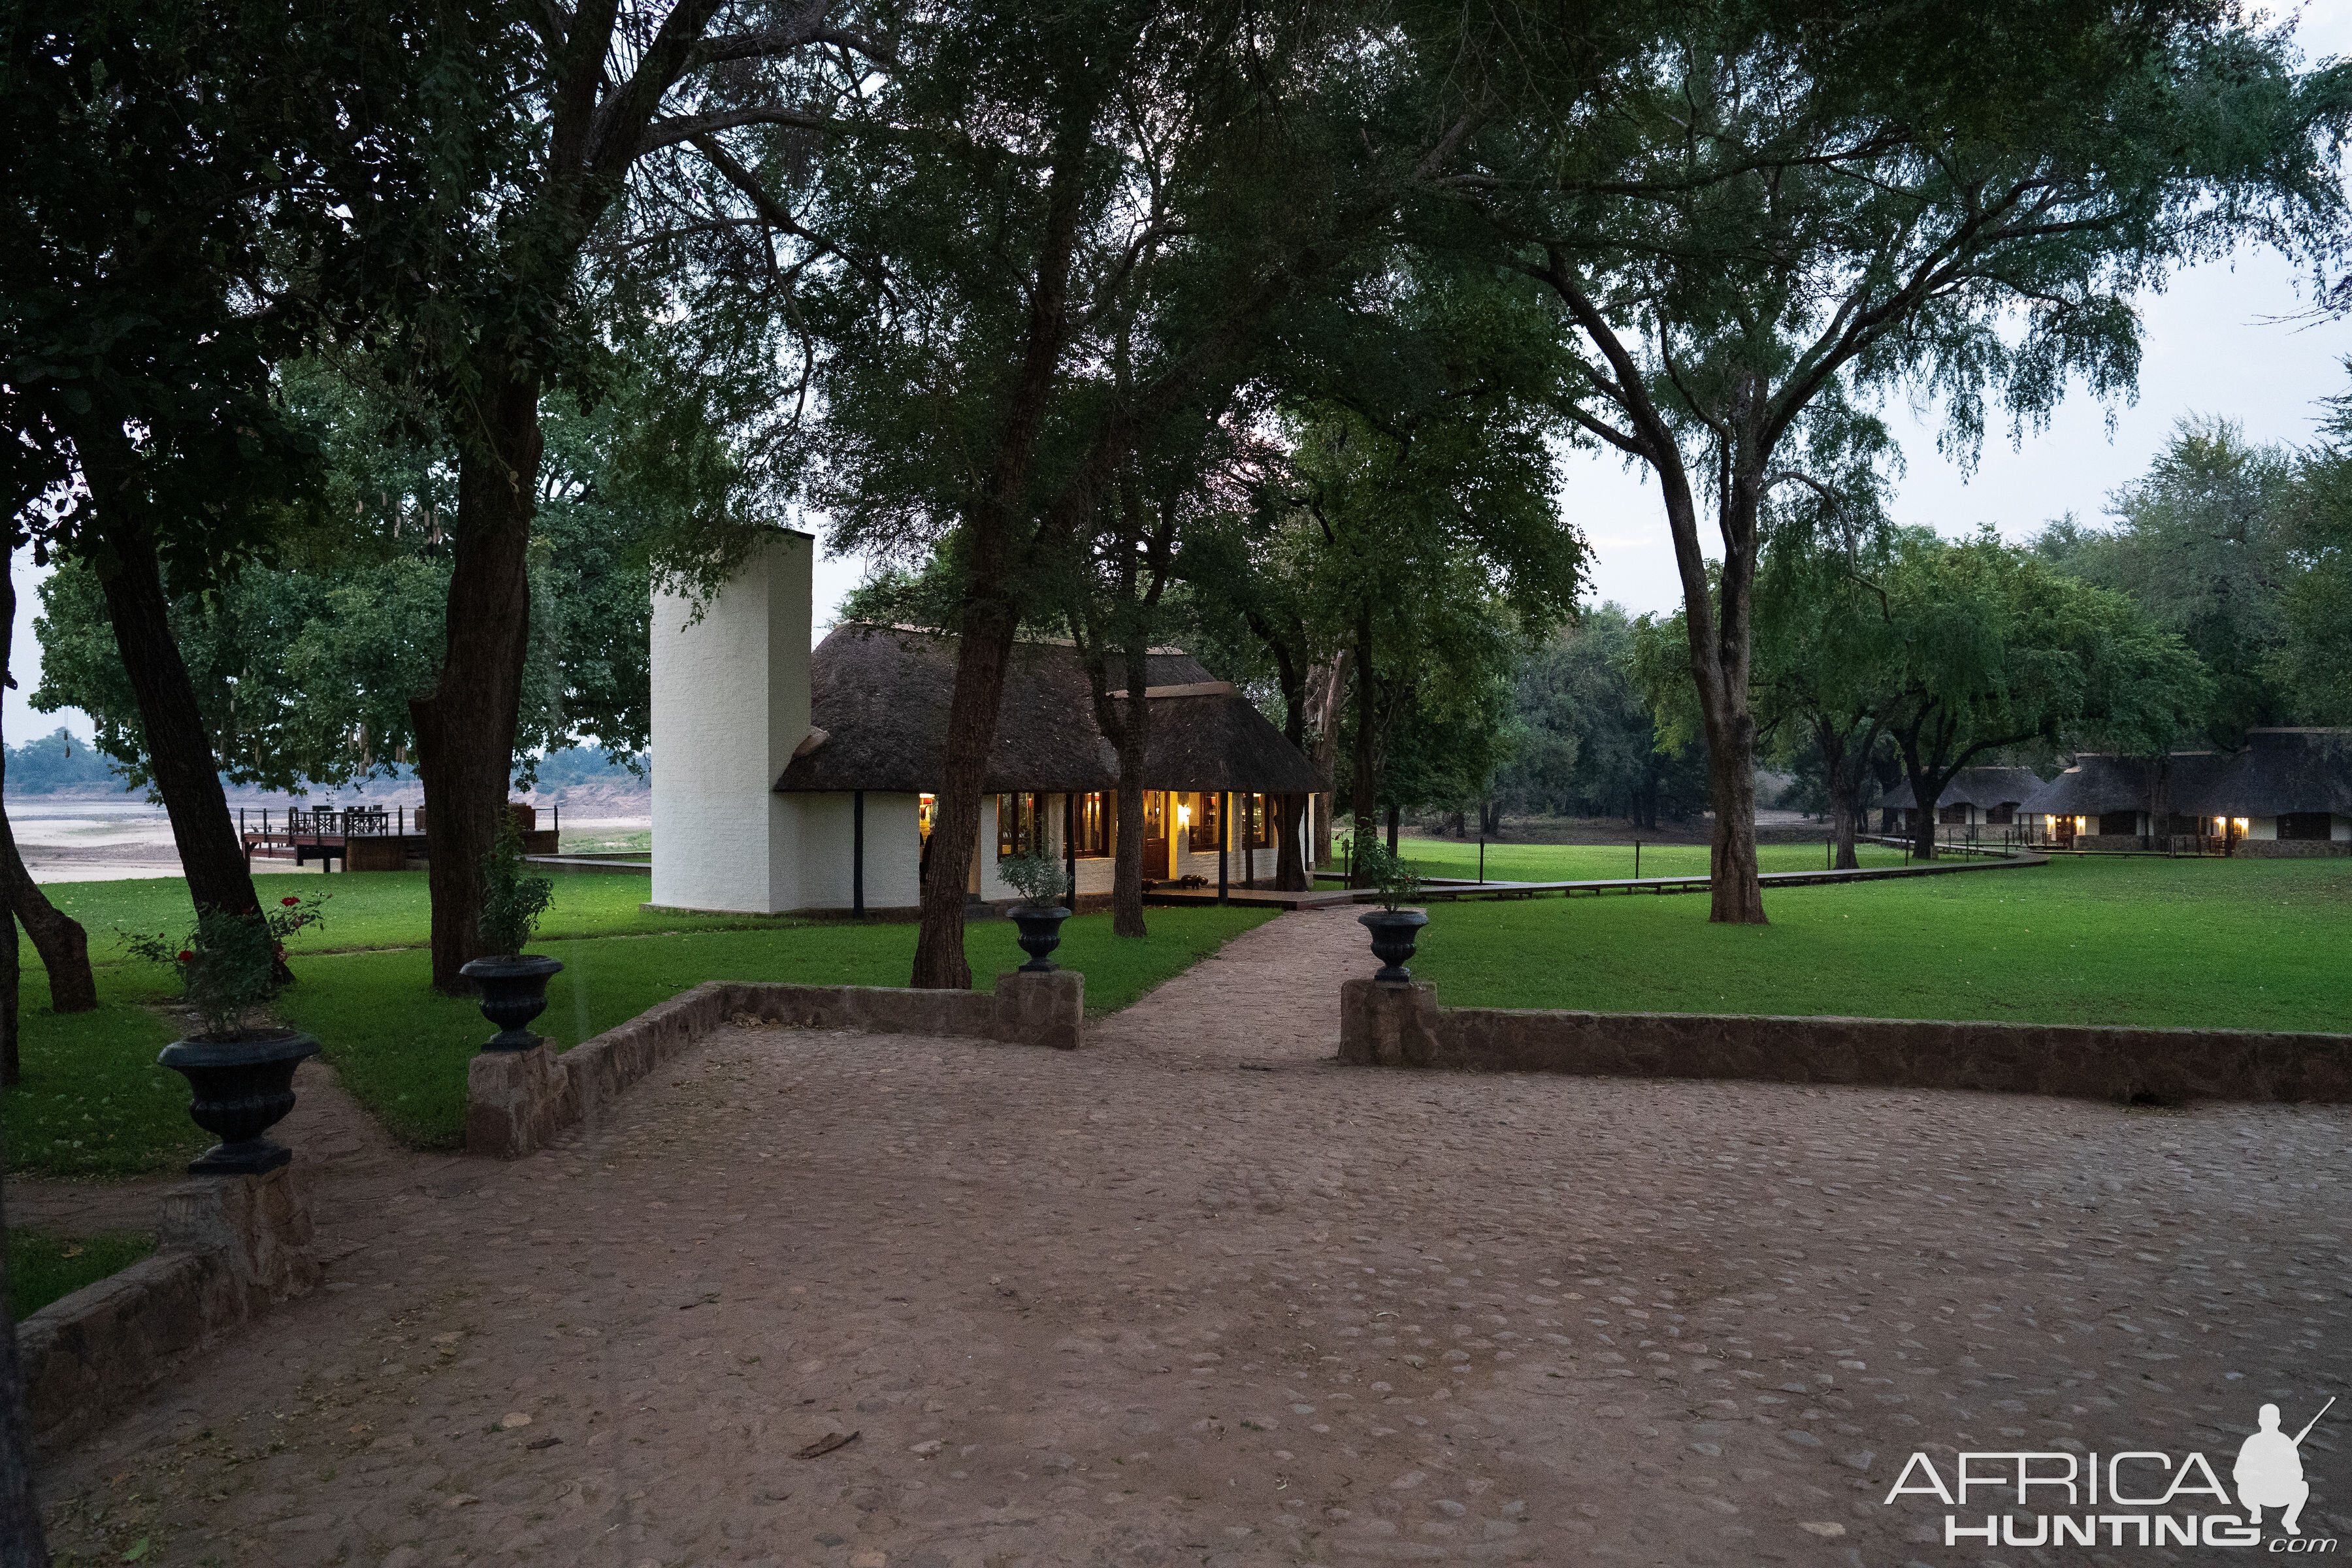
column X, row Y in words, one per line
column 289, row 903
column 186, row 957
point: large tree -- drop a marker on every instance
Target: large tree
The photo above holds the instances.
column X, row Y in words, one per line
column 596, row 107
column 1784, row 207
column 1034, row 188
column 170, row 235
column 2313, row 666
column 2203, row 543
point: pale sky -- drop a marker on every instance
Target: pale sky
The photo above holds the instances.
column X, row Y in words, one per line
column 2213, row 344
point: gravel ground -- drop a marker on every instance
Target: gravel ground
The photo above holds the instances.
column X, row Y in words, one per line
column 1201, row 1295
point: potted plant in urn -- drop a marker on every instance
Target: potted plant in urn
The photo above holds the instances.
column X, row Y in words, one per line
column 241, row 1077
column 1395, row 929
column 513, row 983
column 1039, row 879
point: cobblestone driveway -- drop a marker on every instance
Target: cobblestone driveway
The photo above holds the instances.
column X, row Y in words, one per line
column 1201, row 1295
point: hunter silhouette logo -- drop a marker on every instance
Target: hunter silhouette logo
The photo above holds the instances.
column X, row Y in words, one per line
column 2137, row 1498
column 2269, row 1471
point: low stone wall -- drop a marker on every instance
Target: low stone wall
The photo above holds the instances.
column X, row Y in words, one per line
column 1403, row 1026
column 2291, row 849
column 227, row 1247
column 516, row 1100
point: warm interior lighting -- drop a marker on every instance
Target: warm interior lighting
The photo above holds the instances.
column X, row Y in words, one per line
column 1184, row 814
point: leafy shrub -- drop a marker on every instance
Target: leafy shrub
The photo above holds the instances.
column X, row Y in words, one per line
column 512, row 903
column 1037, row 876
column 228, row 964
column 1386, row 871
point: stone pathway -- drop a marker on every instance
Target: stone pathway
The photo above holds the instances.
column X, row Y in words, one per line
column 1200, row 1295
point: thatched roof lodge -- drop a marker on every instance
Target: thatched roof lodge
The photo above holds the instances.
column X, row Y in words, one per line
column 2285, row 792
column 800, row 780
column 878, row 713
column 1974, row 796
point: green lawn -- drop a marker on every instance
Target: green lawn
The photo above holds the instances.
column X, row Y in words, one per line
column 1590, row 862
column 373, row 909
column 41, row 1268
column 94, row 1104
column 2246, row 944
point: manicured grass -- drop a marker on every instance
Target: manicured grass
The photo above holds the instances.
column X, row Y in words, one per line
column 371, row 909
column 403, row 1049
column 92, row 1102
column 43, row 1269
column 2240, row 945
column 1592, row 862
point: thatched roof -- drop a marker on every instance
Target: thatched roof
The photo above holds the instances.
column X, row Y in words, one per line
column 881, row 694
column 2277, row 772
column 1974, row 786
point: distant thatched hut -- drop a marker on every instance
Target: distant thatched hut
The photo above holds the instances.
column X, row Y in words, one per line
column 1975, row 798
column 2285, row 792
column 792, row 780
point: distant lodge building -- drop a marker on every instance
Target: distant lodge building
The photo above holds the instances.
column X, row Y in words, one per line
column 2284, row 792
column 2287, row 792
column 790, row 777
column 1975, row 798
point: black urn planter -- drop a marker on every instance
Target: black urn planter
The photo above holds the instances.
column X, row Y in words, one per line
column 1394, row 935
column 1041, row 934
column 514, row 992
column 242, row 1090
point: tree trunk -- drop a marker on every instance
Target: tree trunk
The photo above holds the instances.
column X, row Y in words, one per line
column 63, row 945
column 1841, row 768
column 466, row 723
column 981, row 649
column 1131, row 734
column 1290, row 875
column 178, row 753
column 57, row 936
column 1289, row 850
column 12, row 978
column 1363, row 802
column 1323, row 704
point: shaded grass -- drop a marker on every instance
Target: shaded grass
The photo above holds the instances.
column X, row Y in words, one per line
column 2239, row 944
column 44, row 1269
column 92, row 1102
column 1594, row 862
column 402, row 1048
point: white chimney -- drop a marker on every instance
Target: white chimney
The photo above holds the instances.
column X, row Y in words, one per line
column 730, row 701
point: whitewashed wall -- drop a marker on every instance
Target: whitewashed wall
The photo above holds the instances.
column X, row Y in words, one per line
column 730, row 701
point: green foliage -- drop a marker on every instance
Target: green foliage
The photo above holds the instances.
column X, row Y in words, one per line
column 2086, row 941
column 44, row 1269
column 2202, row 544
column 1594, row 740
column 1387, row 873
column 304, row 670
column 167, row 177
column 512, row 903
column 227, row 965
column 2314, row 662
column 1038, row 876
column 59, row 761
